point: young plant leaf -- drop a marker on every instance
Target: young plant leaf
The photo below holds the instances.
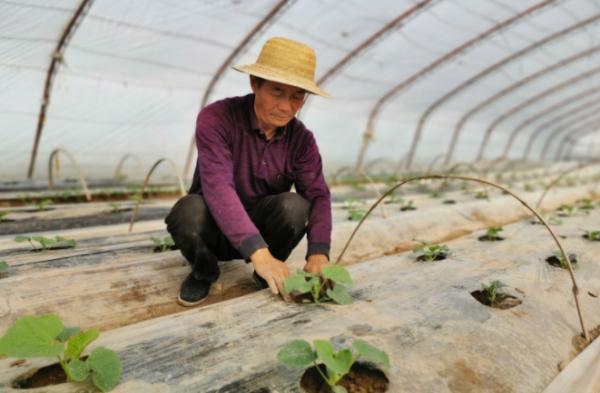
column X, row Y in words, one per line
column 371, row 354
column 67, row 333
column 77, row 344
column 339, row 294
column 21, row 239
column 4, row 265
column 33, row 336
column 106, row 368
column 337, row 274
column 339, row 363
column 76, row 370
column 338, row 389
column 297, row 283
column 297, row 354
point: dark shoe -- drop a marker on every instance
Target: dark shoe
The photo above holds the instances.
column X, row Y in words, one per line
column 259, row 281
column 193, row 291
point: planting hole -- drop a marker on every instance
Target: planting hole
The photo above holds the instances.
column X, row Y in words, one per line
column 486, row 238
column 503, row 301
column 440, row 256
column 45, row 376
column 557, row 261
column 449, row 202
column 362, row 377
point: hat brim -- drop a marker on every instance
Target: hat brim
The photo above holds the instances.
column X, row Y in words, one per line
column 277, row 75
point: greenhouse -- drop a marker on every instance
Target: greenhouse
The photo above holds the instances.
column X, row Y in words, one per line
column 286, row 196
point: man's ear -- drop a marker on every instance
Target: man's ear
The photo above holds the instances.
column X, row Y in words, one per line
column 253, row 84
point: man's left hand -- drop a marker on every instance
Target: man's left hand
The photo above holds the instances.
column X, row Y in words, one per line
column 315, row 263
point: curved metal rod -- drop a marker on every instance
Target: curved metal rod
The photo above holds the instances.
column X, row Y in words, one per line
column 547, row 111
column 55, row 62
column 468, row 165
column 156, row 164
column 433, row 162
column 575, row 288
column 583, row 130
column 560, row 177
column 82, row 182
column 582, row 122
column 487, row 71
column 230, row 59
column 117, row 174
column 369, row 165
column 336, row 175
column 530, row 101
column 573, row 141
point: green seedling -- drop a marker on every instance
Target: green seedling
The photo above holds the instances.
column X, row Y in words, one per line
column 584, row 204
column 164, row 244
column 407, row 205
column 392, row 198
column 491, row 292
column 332, row 284
column 331, row 365
column 592, row 235
column 355, row 212
column 436, row 194
column 528, row 187
column 431, row 252
column 481, row 195
column 2, row 215
column 492, row 233
column 114, row 207
column 43, row 204
column 566, row 210
column 557, row 259
column 3, row 266
column 46, row 243
column 46, row 336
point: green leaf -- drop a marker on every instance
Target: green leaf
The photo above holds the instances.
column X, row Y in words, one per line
column 337, row 274
column 76, row 370
column 106, row 368
column 339, row 363
column 297, row 283
column 77, row 344
column 371, row 354
column 338, row 389
column 340, row 295
column 4, row 265
column 67, row 333
column 33, row 336
column 296, row 354
column 21, row 239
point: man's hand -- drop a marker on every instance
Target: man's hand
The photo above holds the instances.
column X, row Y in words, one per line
column 315, row 263
column 272, row 270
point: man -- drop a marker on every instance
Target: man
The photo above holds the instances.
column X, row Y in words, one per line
column 251, row 150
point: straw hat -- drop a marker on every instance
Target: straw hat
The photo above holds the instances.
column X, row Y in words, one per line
column 286, row 61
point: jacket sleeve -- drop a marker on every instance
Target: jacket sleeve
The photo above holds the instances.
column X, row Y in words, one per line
column 310, row 183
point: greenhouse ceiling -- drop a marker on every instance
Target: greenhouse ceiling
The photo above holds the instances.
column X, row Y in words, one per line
column 411, row 81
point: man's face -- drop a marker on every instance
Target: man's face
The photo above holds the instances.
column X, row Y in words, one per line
column 276, row 104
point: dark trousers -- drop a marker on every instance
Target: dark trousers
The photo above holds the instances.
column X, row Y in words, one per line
column 281, row 220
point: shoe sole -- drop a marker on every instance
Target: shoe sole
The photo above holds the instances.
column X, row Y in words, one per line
column 186, row 303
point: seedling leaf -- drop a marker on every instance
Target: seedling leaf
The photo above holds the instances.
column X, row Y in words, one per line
column 337, row 274
column 297, row 283
column 77, row 344
column 339, row 294
column 339, row 363
column 33, row 336
column 21, row 239
column 67, row 333
column 338, row 389
column 76, row 370
column 371, row 354
column 297, row 354
column 4, row 265
column 106, row 368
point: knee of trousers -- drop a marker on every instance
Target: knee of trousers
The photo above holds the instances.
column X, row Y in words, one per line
column 187, row 218
column 293, row 211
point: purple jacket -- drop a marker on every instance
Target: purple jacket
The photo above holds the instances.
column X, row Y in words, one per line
column 237, row 166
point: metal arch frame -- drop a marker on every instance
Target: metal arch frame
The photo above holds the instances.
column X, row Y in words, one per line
column 54, row 155
column 426, row 70
column 439, row 102
column 57, row 58
column 530, row 101
column 560, row 129
column 549, row 110
column 540, row 129
column 268, row 18
column 121, row 162
column 517, row 85
column 577, row 129
column 572, row 141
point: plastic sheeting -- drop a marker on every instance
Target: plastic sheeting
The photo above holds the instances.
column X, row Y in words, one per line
column 134, row 73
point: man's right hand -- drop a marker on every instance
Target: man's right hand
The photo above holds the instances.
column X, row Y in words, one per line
column 274, row 271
